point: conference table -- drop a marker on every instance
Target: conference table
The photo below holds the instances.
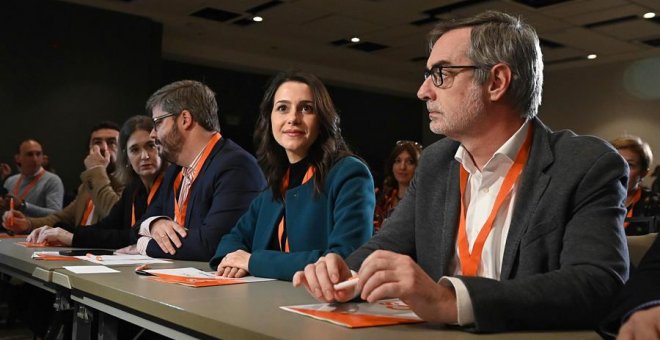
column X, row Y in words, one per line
column 240, row 311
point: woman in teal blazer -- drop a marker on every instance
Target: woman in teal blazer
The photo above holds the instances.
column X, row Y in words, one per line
column 320, row 198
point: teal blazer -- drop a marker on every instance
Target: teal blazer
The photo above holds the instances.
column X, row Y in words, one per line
column 338, row 220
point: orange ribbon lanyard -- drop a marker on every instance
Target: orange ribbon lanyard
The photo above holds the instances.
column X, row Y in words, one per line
column 181, row 210
column 636, row 197
column 470, row 261
column 152, row 193
column 88, row 211
column 281, row 226
column 29, row 187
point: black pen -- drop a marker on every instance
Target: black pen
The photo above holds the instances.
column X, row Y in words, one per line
column 142, row 270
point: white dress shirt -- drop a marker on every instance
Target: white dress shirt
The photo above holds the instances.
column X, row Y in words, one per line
column 480, row 194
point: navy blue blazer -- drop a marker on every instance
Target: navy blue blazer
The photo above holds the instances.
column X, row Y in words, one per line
column 228, row 181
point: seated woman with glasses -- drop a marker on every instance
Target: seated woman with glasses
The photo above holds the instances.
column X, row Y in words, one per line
column 140, row 167
column 320, row 196
column 399, row 170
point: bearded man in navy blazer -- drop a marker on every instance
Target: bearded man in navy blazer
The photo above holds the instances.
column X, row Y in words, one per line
column 506, row 225
column 210, row 184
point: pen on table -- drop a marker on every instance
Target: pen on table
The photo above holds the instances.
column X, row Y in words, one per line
column 142, row 269
column 94, row 257
column 352, row 282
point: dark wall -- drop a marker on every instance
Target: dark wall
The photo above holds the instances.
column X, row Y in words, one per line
column 64, row 68
column 371, row 122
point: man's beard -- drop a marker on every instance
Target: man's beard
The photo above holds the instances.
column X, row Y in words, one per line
column 172, row 145
column 456, row 123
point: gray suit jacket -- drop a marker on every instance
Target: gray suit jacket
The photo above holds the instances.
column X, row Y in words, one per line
column 565, row 254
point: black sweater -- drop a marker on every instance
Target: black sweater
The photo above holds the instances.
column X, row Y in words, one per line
column 115, row 230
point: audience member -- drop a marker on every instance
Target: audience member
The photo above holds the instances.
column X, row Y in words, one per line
column 5, row 171
column 210, row 185
column 655, row 187
column 399, row 170
column 141, row 170
column 97, row 193
column 321, row 196
column 551, row 252
column 642, row 204
column 36, row 192
column 635, row 313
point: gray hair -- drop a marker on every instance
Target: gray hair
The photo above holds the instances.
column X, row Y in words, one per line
column 189, row 95
column 496, row 38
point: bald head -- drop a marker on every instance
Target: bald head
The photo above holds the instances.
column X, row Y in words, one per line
column 29, row 157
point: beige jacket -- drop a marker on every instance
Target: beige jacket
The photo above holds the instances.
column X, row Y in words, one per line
column 104, row 191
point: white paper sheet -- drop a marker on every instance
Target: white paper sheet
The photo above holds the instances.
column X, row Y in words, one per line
column 90, row 269
column 36, row 254
column 119, row 260
column 200, row 274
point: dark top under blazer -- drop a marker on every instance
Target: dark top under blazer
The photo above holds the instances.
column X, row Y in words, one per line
column 338, row 220
column 228, row 181
column 565, row 254
column 640, row 292
column 114, row 231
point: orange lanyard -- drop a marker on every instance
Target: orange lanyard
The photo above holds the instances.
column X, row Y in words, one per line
column 29, row 187
column 180, row 211
column 636, row 197
column 280, row 228
column 470, row 261
column 152, row 192
column 88, row 211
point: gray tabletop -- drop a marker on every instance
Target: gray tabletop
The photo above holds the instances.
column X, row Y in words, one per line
column 248, row 310
column 229, row 312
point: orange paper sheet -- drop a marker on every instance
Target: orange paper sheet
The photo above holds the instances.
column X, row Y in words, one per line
column 56, row 258
column 193, row 282
column 38, row 245
column 355, row 320
column 3, row 235
column 359, row 314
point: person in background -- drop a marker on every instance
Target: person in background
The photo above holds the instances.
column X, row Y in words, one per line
column 655, row 187
column 635, row 313
column 320, row 196
column 506, row 225
column 399, row 170
column 97, row 194
column 643, row 206
column 210, row 184
column 5, row 171
column 140, row 168
column 35, row 191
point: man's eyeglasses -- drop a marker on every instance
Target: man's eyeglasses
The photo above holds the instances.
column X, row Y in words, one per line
column 158, row 120
column 411, row 142
column 444, row 79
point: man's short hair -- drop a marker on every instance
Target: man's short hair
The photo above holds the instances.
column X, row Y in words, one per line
column 636, row 145
column 496, row 38
column 189, row 95
column 106, row 124
column 18, row 149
